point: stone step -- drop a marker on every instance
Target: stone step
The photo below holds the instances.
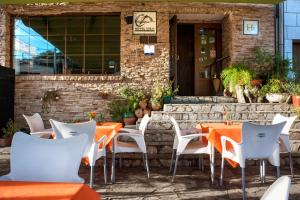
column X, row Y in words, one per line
column 228, row 107
column 202, row 99
column 187, row 124
column 245, row 115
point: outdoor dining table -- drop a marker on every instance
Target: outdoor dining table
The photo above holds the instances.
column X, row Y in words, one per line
column 110, row 129
column 217, row 130
column 19, row 190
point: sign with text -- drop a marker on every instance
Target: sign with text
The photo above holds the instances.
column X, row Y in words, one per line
column 144, row 23
column 251, row 27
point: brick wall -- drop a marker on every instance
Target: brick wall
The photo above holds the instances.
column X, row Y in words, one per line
column 80, row 94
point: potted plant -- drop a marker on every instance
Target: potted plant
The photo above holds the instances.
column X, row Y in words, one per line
column 235, row 78
column 117, row 108
column 294, row 90
column 156, row 96
column 8, row 133
column 133, row 98
column 168, row 92
column 275, row 91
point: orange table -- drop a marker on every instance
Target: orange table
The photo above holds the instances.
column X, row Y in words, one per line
column 46, row 191
column 217, row 130
column 110, row 129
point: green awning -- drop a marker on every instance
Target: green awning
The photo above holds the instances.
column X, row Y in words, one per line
column 204, row 1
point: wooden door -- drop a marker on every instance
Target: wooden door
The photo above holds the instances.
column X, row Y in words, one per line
column 173, row 49
column 296, row 58
column 208, row 48
column 185, row 59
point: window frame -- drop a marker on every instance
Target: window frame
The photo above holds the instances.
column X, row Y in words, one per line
column 64, row 72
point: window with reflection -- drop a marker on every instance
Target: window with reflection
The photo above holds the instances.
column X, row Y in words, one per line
column 67, row 44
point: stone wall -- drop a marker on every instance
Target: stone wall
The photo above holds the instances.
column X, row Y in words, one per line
column 80, row 94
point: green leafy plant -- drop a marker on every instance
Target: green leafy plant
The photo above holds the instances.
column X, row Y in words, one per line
column 280, row 68
column 133, row 97
column 237, row 74
column 117, row 108
column 262, row 58
column 48, row 97
column 273, row 86
column 293, row 88
column 157, row 93
column 9, row 130
column 168, row 89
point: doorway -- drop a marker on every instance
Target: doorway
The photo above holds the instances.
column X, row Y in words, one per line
column 198, row 50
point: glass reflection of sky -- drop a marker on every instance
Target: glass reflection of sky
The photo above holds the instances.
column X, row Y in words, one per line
column 29, row 43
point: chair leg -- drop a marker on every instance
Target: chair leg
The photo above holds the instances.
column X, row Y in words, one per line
column 244, row 184
column 212, row 167
column 291, row 164
column 222, row 171
column 263, row 171
column 199, row 161
column 175, row 168
column 91, row 176
column 147, row 166
column 260, row 171
column 120, row 162
column 278, row 171
column 172, row 159
column 144, row 162
column 113, row 178
column 105, row 170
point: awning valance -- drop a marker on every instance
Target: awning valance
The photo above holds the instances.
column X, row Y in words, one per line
column 204, row 1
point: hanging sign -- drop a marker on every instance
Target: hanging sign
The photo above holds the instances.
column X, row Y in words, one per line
column 149, row 49
column 144, row 23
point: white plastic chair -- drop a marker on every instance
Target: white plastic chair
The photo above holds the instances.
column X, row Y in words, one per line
column 137, row 146
column 183, row 145
column 285, row 145
column 41, row 160
column 279, row 190
column 36, row 125
column 258, row 142
column 92, row 150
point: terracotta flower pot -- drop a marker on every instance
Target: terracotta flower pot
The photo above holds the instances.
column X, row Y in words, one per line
column 296, row 101
column 155, row 106
column 256, row 82
column 129, row 120
column 139, row 113
column 146, row 111
column 143, row 104
column 4, row 142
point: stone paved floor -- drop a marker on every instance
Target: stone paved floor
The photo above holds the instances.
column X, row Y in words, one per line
column 131, row 183
column 190, row 183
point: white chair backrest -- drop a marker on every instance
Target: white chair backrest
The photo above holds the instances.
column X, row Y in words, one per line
column 280, row 189
column 67, row 130
column 35, row 122
column 289, row 122
column 259, row 141
column 44, row 160
column 176, row 126
column 144, row 123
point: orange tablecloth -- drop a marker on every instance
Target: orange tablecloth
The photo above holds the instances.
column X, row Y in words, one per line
column 216, row 130
column 46, row 191
column 110, row 129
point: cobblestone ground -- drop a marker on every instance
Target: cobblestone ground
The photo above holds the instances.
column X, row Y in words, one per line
column 190, row 183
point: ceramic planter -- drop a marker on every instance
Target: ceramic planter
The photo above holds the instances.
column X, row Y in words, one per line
column 155, row 106
column 296, row 101
column 167, row 99
column 277, row 97
column 129, row 120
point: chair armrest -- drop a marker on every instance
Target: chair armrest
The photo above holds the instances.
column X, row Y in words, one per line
column 137, row 137
column 129, row 130
column 235, row 145
column 95, row 151
column 193, row 136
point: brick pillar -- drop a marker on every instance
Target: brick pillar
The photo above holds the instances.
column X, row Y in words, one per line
column 4, row 38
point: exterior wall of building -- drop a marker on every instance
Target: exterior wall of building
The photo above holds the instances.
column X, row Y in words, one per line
column 291, row 9
column 80, row 94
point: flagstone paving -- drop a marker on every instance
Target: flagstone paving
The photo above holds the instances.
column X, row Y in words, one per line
column 190, row 183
